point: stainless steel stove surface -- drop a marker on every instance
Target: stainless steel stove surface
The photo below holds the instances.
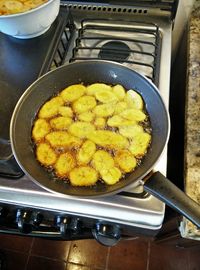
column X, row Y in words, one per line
column 138, row 38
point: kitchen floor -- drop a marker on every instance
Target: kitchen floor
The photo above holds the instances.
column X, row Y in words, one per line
column 40, row 254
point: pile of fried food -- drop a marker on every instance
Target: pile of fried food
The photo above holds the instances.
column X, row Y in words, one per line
column 8, row 7
column 92, row 133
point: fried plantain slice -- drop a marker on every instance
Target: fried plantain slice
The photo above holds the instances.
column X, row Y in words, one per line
column 83, row 176
column 118, row 121
column 108, row 139
column 50, row 108
column 120, row 107
column 104, row 110
column 100, row 122
column 40, row 129
column 62, row 139
column 105, row 96
column 119, row 91
column 134, row 100
column 111, row 175
column 65, row 163
column 73, row 92
column 133, row 114
column 125, row 160
column 65, row 111
column 139, row 144
column 81, row 129
column 102, row 160
column 130, row 131
column 86, row 116
column 96, row 87
column 84, row 104
column 86, row 152
column 45, row 154
column 60, row 122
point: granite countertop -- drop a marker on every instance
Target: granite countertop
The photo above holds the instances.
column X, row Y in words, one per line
column 192, row 122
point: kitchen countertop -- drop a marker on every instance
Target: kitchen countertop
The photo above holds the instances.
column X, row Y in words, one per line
column 192, row 122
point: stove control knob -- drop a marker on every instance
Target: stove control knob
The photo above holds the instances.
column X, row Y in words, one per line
column 27, row 220
column 64, row 224
column 23, row 221
column 106, row 234
column 68, row 226
column 75, row 225
column 36, row 218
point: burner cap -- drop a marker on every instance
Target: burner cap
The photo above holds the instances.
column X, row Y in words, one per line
column 114, row 50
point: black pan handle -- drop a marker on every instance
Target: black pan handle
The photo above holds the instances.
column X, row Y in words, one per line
column 159, row 186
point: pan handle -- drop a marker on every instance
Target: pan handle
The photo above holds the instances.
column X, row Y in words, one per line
column 159, row 186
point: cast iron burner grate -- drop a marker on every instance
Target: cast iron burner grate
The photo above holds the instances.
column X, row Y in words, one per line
column 135, row 44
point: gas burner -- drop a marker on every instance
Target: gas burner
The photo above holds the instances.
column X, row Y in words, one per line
column 115, row 49
column 132, row 43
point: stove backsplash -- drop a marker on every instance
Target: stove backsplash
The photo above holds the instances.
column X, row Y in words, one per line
column 131, row 6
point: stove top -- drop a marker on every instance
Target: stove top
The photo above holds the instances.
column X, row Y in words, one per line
column 144, row 46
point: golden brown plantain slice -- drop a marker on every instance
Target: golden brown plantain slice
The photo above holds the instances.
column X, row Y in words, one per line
column 60, row 122
column 120, row 107
column 73, row 92
column 84, row 104
column 133, row 114
column 83, row 176
column 125, row 160
column 62, row 139
column 45, row 154
column 86, row 152
column 111, row 176
column 13, row 6
column 104, row 110
column 135, row 99
column 130, row 131
column 100, row 123
column 96, row 87
column 65, row 111
column 108, row 139
column 105, row 96
column 139, row 144
column 119, row 91
column 86, row 116
column 50, row 108
column 40, row 129
column 65, row 163
column 81, row 129
column 102, row 160
column 118, row 121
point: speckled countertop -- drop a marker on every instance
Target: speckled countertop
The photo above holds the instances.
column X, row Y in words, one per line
column 192, row 122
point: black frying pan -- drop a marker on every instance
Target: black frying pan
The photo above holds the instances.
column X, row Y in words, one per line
column 110, row 73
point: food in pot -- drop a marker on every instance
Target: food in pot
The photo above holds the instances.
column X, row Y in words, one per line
column 8, row 7
column 92, row 133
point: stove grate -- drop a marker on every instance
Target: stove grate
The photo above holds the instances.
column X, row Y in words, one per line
column 135, row 44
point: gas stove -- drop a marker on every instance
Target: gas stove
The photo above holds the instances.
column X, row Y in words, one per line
column 138, row 35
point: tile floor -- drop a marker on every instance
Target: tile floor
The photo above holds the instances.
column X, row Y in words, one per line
column 26, row 253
